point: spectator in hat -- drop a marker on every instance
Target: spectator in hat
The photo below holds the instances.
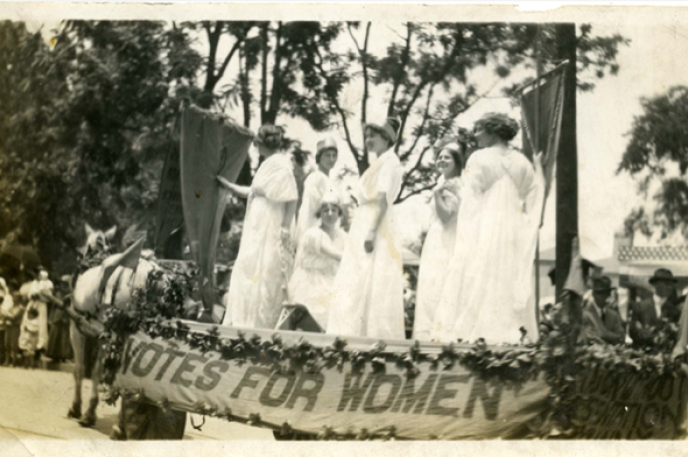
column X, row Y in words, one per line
column 649, row 316
column 316, row 186
column 601, row 320
column 33, row 336
column 59, row 344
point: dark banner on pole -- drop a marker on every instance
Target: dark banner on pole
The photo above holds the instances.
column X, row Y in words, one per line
column 550, row 115
column 170, row 217
column 210, row 146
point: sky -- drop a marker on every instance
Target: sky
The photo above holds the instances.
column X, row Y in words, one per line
column 652, row 63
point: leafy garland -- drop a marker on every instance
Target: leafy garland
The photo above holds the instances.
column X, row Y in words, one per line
column 157, row 316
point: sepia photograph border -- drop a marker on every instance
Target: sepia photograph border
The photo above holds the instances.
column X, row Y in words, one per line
column 667, row 16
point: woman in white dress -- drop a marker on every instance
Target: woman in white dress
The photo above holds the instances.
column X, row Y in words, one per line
column 439, row 241
column 369, row 284
column 316, row 186
column 487, row 293
column 257, row 286
column 317, row 261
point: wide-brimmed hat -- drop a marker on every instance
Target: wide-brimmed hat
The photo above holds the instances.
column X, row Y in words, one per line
column 602, row 284
column 324, row 145
column 327, row 143
column 390, row 129
column 663, row 274
column 330, row 198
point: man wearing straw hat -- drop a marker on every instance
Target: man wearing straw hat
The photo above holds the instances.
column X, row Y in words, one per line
column 602, row 322
column 664, row 307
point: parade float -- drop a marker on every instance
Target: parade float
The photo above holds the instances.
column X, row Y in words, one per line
column 311, row 385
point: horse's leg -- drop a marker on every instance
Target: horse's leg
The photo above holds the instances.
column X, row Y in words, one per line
column 78, row 346
column 89, row 418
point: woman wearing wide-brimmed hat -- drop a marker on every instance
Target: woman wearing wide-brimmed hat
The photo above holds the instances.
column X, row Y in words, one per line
column 489, row 294
column 257, row 286
column 316, row 186
column 369, row 284
column 317, row 260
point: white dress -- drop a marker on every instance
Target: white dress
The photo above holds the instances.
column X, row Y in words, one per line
column 312, row 283
column 369, row 286
column 33, row 333
column 489, row 287
column 316, row 186
column 437, row 253
column 256, row 288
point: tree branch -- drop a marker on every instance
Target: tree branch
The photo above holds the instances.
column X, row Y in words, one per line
column 405, row 57
column 276, row 93
column 363, row 53
column 231, row 53
column 361, row 159
column 213, row 39
column 407, row 110
column 426, row 116
column 412, row 193
column 416, row 167
column 264, row 72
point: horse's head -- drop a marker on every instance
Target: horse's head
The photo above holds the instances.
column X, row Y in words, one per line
column 97, row 241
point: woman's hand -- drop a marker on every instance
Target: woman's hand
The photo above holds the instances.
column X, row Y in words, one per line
column 226, row 184
column 369, row 243
column 285, row 236
column 537, row 161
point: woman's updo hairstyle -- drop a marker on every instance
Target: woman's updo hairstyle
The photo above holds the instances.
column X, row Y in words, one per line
column 500, row 125
column 270, row 136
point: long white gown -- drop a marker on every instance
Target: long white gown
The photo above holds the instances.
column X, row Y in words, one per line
column 489, row 287
column 437, row 253
column 369, row 286
column 256, row 289
column 316, row 186
column 312, row 283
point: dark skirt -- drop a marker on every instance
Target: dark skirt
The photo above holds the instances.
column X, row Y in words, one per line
column 59, row 344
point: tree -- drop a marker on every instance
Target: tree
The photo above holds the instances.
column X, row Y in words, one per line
column 88, row 127
column 659, row 142
column 427, row 78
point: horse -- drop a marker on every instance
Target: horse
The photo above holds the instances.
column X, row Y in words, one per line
column 98, row 287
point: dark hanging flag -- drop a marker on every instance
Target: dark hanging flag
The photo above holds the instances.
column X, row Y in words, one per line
column 210, row 146
column 551, row 108
column 170, row 217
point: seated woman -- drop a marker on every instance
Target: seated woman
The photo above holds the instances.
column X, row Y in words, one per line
column 257, row 286
column 317, row 261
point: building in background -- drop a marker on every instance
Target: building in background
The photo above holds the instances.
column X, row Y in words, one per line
column 630, row 267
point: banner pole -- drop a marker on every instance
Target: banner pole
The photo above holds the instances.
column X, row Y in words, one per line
column 538, row 58
column 566, row 168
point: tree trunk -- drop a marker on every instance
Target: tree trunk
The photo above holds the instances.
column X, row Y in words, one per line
column 567, row 163
column 264, row 72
